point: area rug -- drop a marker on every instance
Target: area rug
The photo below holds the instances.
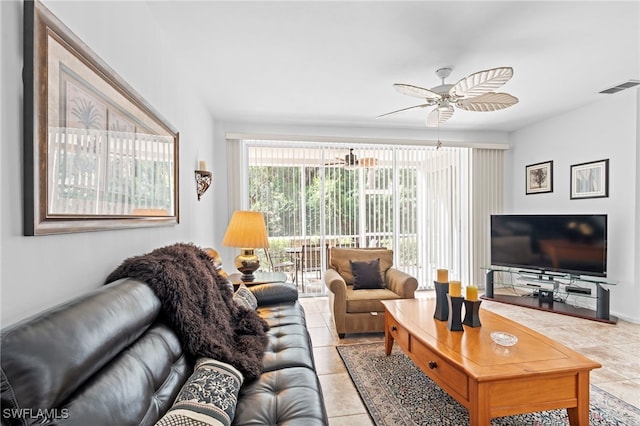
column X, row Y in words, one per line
column 396, row 392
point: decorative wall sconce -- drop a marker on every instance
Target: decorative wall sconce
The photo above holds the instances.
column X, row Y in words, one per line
column 203, row 179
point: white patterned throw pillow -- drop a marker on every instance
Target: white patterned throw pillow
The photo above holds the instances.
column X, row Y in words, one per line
column 244, row 297
column 209, row 397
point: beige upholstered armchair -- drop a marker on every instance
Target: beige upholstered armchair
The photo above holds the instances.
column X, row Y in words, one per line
column 355, row 309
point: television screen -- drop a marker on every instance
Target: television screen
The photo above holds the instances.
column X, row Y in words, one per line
column 574, row 244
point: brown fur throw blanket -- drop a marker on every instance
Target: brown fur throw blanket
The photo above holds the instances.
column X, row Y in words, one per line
column 198, row 303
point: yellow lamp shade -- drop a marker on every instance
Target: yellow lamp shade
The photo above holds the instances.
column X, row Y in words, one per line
column 246, row 229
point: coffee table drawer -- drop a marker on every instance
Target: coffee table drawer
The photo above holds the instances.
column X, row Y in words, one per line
column 442, row 372
column 399, row 333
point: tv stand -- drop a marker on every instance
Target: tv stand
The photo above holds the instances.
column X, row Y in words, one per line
column 551, row 292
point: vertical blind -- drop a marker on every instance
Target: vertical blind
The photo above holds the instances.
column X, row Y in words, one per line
column 487, row 171
column 407, row 198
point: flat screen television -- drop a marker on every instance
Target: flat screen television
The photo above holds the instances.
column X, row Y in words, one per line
column 569, row 243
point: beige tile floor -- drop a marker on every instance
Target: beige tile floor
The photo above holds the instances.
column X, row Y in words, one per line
column 616, row 347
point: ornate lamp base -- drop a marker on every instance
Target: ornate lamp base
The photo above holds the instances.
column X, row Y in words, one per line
column 247, row 263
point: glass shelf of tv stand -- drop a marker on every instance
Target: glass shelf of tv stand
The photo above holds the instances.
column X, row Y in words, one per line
column 532, row 280
column 539, row 290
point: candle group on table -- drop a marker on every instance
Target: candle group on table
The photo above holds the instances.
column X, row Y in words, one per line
column 449, row 303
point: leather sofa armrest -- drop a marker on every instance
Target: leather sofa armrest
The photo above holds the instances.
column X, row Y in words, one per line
column 272, row 293
column 401, row 283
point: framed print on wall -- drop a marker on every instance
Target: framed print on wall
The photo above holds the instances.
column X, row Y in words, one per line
column 590, row 180
column 97, row 156
column 539, row 178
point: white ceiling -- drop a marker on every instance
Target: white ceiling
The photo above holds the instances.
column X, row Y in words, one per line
column 334, row 62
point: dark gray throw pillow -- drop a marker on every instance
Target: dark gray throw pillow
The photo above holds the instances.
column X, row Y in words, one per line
column 366, row 275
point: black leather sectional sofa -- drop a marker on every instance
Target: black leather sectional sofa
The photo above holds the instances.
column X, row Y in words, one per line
column 106, row 358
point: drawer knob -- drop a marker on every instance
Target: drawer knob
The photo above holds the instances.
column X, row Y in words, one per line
column 433, row 364
column 393, row 328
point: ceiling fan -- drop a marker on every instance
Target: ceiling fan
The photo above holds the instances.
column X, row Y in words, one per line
column 472, row 93
column 352, row 160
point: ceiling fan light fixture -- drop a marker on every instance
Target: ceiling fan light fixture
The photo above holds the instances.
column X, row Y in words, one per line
column 444, row 105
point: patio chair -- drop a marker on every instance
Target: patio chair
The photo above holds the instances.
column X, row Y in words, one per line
column 311, row 258
column 357, row 280
column 285, row 266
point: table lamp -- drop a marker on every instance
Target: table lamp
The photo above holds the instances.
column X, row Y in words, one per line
column 247, row 231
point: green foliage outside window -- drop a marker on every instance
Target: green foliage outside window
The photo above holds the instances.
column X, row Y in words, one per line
column 276, row 191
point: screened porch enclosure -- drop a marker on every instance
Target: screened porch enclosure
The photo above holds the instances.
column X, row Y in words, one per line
column 317, row 195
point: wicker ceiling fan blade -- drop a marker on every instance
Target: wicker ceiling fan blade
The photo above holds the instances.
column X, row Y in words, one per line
column 439, row 115
column 488, row 102
column 482, row 82
column 405, row 109
column 418, row 92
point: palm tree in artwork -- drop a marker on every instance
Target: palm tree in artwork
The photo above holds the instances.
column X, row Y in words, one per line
column 86, row 113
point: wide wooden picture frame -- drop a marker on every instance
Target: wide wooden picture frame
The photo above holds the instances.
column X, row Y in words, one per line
column 97, row 156
column 590, row 180
column 539, row 178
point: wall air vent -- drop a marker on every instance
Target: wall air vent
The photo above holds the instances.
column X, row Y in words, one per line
column 615, row 89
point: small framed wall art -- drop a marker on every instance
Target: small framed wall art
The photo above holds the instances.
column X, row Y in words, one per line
column 590, row 180
column 539, row 178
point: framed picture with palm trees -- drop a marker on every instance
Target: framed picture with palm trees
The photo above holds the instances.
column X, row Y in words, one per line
column 539, row 178
column 97, row 156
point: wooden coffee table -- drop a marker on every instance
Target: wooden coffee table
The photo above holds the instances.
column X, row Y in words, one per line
column 536, row 374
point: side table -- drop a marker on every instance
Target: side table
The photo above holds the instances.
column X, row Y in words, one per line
column 261, row 278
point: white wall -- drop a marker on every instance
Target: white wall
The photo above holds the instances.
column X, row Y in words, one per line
column 605, row 129
column 38, row 272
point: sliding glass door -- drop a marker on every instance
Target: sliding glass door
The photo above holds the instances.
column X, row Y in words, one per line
column 319, row 195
